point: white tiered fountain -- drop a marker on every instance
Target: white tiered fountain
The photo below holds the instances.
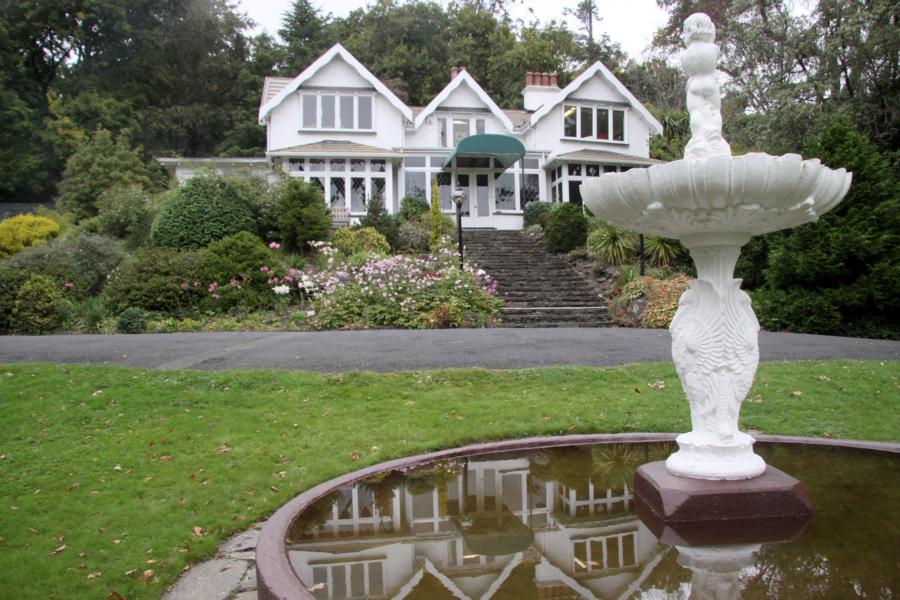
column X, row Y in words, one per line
column 714, row 202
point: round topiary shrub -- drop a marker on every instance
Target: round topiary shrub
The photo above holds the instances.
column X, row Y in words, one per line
column 350, row 240
column 202, row 210
column 536, row 213
column 81, row 263
column 566, row 228
column 37, row 305
column 22, row 231
column 158, row 279
column 241, row 271
column 300, row 214
column 131, row 320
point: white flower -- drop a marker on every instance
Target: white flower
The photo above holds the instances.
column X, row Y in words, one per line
column 281, row 290
column 310, row 313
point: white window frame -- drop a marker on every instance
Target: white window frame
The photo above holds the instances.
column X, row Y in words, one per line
column 338, row 126
column 594, row 108
column 446, row 120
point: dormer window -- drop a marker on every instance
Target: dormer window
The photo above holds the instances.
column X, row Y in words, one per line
column 595, row 123
column 336, row 111
column 452, row 129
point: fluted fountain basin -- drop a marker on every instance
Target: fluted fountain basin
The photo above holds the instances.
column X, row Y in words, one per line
column 751, row 194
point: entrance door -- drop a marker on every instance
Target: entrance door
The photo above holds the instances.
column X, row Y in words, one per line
column 477, row 207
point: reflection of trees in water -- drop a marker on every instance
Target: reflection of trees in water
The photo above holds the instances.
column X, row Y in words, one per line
column 437, row 475
column 312, row 518
column 383, row 485
column 852, row 546
column 608, row 466
column 519, row 585
column 430, row 588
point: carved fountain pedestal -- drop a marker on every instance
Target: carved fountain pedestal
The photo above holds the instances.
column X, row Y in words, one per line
column 714, row 203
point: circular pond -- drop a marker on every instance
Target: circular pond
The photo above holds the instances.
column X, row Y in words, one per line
column 535, row 521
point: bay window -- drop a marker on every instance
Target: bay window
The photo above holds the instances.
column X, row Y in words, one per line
column 586, row 122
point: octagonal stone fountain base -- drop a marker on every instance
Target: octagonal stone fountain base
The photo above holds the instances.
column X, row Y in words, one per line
column 774, row 495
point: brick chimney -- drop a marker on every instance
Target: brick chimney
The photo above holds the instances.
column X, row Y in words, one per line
column 539, row 88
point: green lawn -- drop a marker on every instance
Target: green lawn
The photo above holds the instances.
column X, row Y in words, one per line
column 118, row 466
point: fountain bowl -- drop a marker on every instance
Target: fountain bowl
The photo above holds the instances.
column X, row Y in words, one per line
column 686, row 199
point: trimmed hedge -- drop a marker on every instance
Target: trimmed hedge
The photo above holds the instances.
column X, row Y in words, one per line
column 203, row 210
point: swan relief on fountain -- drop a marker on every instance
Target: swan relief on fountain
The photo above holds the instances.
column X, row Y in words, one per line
column 714, row 203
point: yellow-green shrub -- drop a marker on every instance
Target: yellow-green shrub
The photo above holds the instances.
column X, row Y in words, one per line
column 350, row 240
column 22, row 231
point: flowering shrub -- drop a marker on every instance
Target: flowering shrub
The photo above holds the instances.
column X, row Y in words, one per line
column 647, row 301
column 400, row 291
column 663, row 295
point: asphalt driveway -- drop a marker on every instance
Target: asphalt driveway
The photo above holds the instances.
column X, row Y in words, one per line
column 393, row 350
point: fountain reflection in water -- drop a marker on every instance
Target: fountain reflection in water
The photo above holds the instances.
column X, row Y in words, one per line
column 561, row 523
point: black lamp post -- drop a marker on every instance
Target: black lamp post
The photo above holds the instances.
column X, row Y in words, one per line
column 641, row 251
column 458, row 197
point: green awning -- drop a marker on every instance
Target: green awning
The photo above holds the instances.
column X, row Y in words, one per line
column 475, row 149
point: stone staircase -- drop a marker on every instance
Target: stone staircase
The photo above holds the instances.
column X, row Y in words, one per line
column 538, row 288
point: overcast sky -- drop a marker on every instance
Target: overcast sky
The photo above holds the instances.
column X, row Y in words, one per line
column 631, row 24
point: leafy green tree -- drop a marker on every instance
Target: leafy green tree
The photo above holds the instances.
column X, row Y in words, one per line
column 306, row 34
column 97, row 165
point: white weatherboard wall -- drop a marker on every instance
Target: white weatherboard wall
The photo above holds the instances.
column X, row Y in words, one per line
column 285, row 124
column 548, row 132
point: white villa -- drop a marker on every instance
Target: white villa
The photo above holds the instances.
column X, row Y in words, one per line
column 339, row 127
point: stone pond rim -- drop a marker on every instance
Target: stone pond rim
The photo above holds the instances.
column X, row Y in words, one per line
column 276, row 578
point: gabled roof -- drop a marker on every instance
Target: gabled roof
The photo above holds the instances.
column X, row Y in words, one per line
column 336, row 51
column 271, row 87
column 463, row 78
column 598, row 67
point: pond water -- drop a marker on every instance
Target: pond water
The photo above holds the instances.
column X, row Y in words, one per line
column 560, row 523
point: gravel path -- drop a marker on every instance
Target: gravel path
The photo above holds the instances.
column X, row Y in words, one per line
column 393, row 350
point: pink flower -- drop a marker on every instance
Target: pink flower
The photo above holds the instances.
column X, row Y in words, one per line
column 274, row 245
column 69, row 285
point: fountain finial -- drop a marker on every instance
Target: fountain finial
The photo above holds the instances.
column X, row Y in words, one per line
column 704, row 102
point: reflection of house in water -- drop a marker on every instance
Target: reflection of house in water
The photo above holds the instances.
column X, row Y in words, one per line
column 471, row 529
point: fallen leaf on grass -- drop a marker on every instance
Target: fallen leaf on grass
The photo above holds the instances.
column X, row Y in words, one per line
column 94, row 575
column 354, row 455
column 115, row 596
column 825, row 378
column 117, row 541
column 200, row 532
column 280, row 474
column 130, row 572
column 796, row 394
column 165, row 458
column 274, row 489
column 657, row 385
column 146, row 575
column 58, row 550
column 223, row 448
